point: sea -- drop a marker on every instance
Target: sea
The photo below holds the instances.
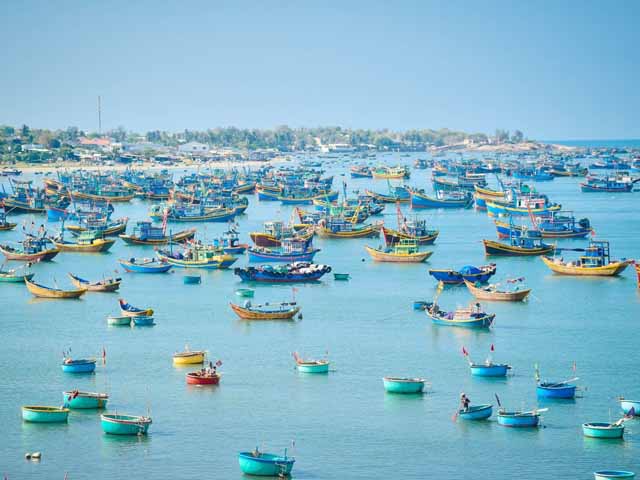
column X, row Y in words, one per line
column 342, row 425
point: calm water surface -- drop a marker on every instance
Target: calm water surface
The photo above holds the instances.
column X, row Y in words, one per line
column 343, row 424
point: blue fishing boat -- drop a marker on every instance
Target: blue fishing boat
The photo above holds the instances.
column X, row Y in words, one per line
column 291, row 250
column 609, row 474
column 471, row 317
column 556, row 390
column 125, row 424
column 519, row 419
column 476, row 412
column 84, row 400
column 603, row 430
column 489, row 369
column 145, row 265
column 619, row 183
column 143, row 321
column 530, row 204
column 83, row 365
column 42, row 414
column 290, row 273
column 630, row 406
column 396, row 194
column 560, row 224
column 443, row 199
column 528, row 243
column 468, row 272
column 403, row 385
column 265, row 464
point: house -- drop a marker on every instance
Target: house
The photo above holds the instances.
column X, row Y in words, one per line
column 193, row 148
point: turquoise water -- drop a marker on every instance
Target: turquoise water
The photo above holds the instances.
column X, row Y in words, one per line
column 634, row 143
column 343, row 423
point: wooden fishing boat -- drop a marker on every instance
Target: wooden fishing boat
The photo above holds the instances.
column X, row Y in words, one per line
column 407, row 251
column 560, row 224
column 41, row 291
column 203, row 378
column 197, row 255
column 107, row 228
column 5, row 225
column 81, row 365
column 76, row 399
column 471, row 317
column 419, row 199
column 11, row 276
column 275, row 232
column 104, row 285
column 596, row 261
column 495, row 292
column 125, row 424
column 146, row 234
column 87, row 242
column 120, row 197
column 403, row 385
column 360, row 171
column 395, row 236
column 30, row 205
column 528, row 244
column 340, row 228
column 33, row 250
column 475, row 412
column 533, row 204
column 189, row 357
column 145, row 265
column 279, row 311
column 289, row 273
column 265, row 464
column 290, row 251
column 603, row 430
column 468, row 272
column 131, row 311
column 42, row 414
column 630, row 406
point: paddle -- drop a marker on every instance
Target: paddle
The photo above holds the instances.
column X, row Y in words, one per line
column 534, row 411
column 559, row 384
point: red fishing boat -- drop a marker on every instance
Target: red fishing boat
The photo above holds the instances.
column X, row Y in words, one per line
column 203, row 378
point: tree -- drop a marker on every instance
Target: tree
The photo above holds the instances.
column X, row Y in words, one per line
column 517, row 136
column 502, row 135
column 54, row 143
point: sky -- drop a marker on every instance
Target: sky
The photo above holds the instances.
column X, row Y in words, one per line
column 553, row 69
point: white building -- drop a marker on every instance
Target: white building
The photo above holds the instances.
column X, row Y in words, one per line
column 193, row 148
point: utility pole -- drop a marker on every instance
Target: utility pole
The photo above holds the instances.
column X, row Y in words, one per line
column 99, row 117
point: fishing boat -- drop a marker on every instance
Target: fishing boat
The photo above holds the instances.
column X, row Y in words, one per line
column 443, row 199
column 145, row 265
column 12, row 276
column 203, row 378
column 101, row 224
column 497, row 292
column 230, row 243
column 467, row 317
column 519, row 419
column 112, row 195
column 82, row 365
column 609, row 474
column 310, row 365
column 560, row 224
column 295, row 272
column 197, row 255
column 118, row 321
column 42, row 414
column 531, row 204
column 603, row 430
column 265, row 464
column 5, row 225
column 489, row 369
column 189, row 357
column 76, row 399
column 131, row 311
column 414, row 229
column 275, row 232
column 467, row 273
column 360, row 171
column 278, row 311
column 105, row 285
column 528, row 244
column 145, row 233
column 475, row 412
column 630, row 406
column 403, row 385
column 86, row 242
column 396, row 194
column 142, row 321
column 556, row 390
column 125, row 424
column 406, row 251
column 291, row 250
column 387, row 172
column 620, row 183
column 42, row 291
column 305, row 197
column 32, row 250
column 596, row 261
column 337, row 227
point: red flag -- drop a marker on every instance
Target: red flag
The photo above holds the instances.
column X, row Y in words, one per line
column 492, row 348
column 464, row 351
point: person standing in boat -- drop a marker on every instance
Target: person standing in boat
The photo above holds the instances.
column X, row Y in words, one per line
column 464, row 402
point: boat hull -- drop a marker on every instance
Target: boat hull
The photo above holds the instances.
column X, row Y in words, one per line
column 403, row 385
column 394, row 236
column 493, row 370
column 141, row 268
column 482, row 294
column 265, row 465
column 191, row 358
column 42, row 256
column 44, row 292
column 84, row 400
column 248, row 314
column 380, row 256
column 609, row 474
column 178, row 237
column 602, row 430
column 518, row 420
column 195, row 378
column 124, row 424
column 79, row 366
column 258, row 256
column 497, row 248
column 627, row 405
column 611, row 270
column 480, row 322
column 550, row 391
column 313, row 367
column 478, row 412
column 36, row 414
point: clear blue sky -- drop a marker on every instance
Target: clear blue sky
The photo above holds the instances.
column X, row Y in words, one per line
column 554, row 69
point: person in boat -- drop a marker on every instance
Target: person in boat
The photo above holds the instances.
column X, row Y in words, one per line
column 464, row 402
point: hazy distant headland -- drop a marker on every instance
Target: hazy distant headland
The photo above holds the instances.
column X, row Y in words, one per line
column 28, row 145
